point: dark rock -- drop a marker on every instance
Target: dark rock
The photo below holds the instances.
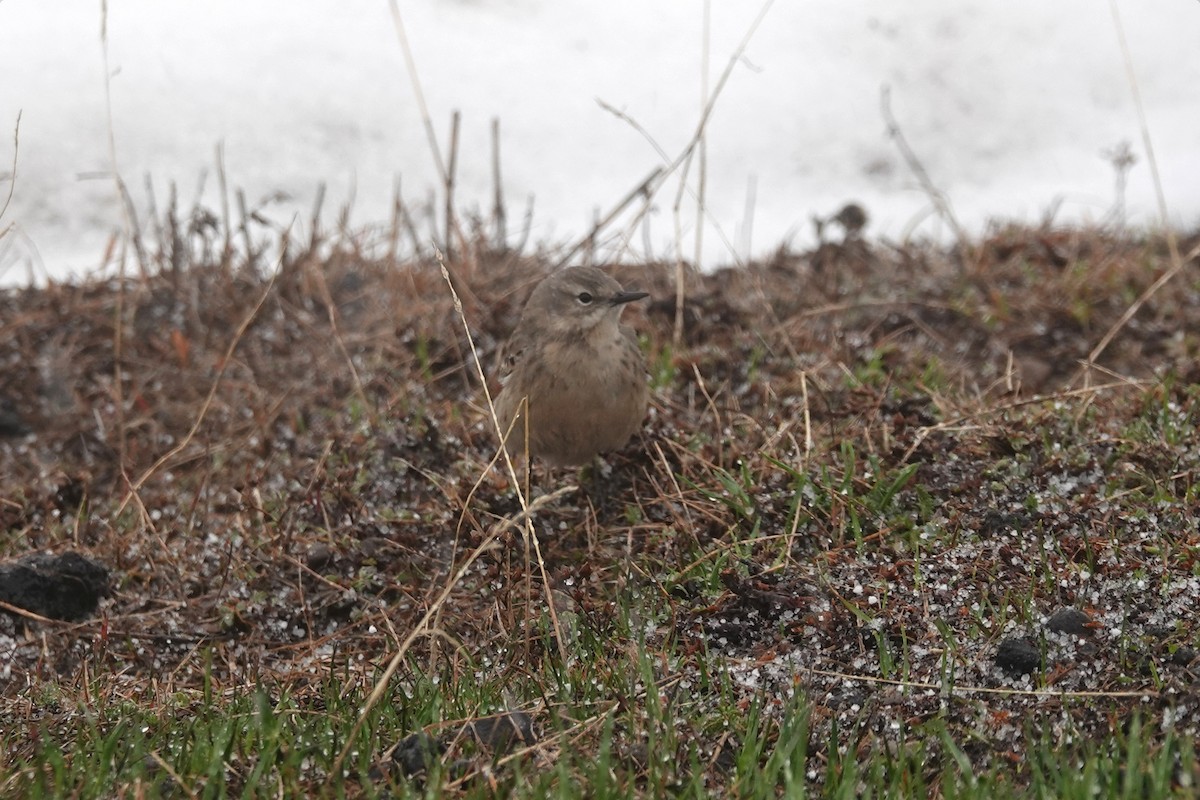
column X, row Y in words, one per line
column 1069, row 620
column 497, row 735
column 995, row 522
column 727, row 757
column 66, row 587
column 1018, row 656
column 1184, row 656
column 501, row 732
column 70, row 493
column 319, row 555
column 11, row 423
column 416, row 752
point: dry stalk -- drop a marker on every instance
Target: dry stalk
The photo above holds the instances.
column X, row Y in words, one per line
column 21, row 612
column 712, row 407
column 156, row 229
column 418, row 93
column 119, row 306
column 135, row 237
column 684, row 160
column 394, row 227
column 808, row 436
column 426, row 121
column 1172, row 245
column 747, row 227
column 12, row 174
column 1176, row 265
column 499, row 212
column 670, row 473
column 401, row 218
column 251, row 256
column 937, row 197
column 644, row 189
column 451, row 170
column 999, row 690
column 702, row 170
column 527, row 228
column 343, row 220
column 314, row 221
column 175, row 776
column 525, row 517
column 227, row 226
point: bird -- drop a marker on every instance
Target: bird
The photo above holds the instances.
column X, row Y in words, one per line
column 574, row 381
column 853, row 218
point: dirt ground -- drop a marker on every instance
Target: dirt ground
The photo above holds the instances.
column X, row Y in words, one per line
column 870, row 470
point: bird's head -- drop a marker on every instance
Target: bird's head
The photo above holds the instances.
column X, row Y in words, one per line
column 579, row 300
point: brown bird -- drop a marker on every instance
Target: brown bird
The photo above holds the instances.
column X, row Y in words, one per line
column 574, row 377
column 853, row 218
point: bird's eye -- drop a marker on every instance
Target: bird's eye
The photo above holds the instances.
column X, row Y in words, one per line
column 585, row 298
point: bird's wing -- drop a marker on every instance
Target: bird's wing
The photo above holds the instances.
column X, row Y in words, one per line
column 510, row 354
column 630, row 334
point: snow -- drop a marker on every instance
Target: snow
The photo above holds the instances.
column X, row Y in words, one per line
column 1010, row 107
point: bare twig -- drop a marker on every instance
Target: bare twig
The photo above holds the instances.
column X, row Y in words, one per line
column 1164, row 218
column 499, row 212
column 251, row 256
column 451, row 169
column 119, row 305
column 314, row 221
column 937, row 197
column 747, row 231
column 643, row 189
column 1135, row 306
column 418, row 92
column 227, row 226
column 702, row 172
column 402, row 218
column 1172, row 245
column 12, row 175
column 951, row 688
column 526, row 228
column 684, row 160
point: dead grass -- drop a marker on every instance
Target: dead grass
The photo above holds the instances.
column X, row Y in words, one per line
column 866, row 466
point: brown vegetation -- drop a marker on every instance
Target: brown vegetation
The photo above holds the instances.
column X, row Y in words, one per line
column 888, row 454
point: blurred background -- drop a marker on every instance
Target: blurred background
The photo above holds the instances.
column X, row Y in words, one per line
column 1017, row 110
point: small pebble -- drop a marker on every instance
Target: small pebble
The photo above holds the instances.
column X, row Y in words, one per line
column 1018, row 657
column 1069, row 620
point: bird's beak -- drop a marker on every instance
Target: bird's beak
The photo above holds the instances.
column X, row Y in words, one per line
column 621, row 298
